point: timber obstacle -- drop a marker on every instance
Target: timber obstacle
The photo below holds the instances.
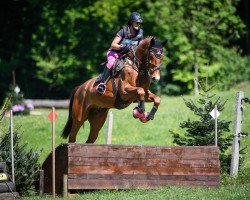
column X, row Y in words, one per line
column 91, row 166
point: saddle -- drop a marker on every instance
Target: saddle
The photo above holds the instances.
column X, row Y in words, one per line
column 119, row 64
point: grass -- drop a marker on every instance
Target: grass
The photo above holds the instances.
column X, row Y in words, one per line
column 241, row 192
column 36, row 132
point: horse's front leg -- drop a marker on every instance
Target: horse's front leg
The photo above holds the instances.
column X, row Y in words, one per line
column 157, row 100
column 139, row 92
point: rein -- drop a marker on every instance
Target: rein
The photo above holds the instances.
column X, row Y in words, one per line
column 138, row 63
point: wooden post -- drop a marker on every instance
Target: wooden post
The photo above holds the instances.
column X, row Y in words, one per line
column 41, row 183
column 12, row 147
column 109, row 128
column 53, row 152
column 65, row 185
column 14, row 78
column 215, row 118
column 237, row 130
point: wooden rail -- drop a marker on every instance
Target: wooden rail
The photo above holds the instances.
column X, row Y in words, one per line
column 48, row 103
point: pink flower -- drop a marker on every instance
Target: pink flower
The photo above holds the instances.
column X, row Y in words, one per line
column 18, row 108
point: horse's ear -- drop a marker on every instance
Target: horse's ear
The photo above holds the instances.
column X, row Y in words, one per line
column 152, row 42
column 164, row 43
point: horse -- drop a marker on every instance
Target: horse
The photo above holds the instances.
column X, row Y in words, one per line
column 141, row 68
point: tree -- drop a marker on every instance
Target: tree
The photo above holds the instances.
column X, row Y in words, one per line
column 72, row 39
column 194, row 29
column 59, row 44
column 26, row 163
column 200, row 132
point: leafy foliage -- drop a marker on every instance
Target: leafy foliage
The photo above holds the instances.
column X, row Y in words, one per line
column 26, row 163
column 59, row 44
column 200, row 132
column 229, row 61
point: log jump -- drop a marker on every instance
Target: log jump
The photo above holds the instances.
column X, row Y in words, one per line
column 90, row 166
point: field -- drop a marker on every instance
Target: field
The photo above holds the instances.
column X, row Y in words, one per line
column 36, row 132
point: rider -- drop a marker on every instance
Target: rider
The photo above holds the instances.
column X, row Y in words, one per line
column 129, row 35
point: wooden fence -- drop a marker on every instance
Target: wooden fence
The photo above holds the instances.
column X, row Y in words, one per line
column 48, row 103
column 89, row 166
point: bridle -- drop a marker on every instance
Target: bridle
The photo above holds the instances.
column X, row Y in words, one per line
column 139, row 63
column 156, row 67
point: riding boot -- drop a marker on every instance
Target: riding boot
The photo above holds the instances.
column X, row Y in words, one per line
column 101, row 88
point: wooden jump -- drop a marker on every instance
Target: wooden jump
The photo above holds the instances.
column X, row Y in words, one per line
column 89, row 166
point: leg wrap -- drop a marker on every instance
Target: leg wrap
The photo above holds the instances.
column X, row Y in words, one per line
column 152, row 113
column 141, row 106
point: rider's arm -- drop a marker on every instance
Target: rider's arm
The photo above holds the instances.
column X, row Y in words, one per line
column 115, row 44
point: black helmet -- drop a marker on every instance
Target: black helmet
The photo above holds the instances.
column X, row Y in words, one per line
column 135, row 17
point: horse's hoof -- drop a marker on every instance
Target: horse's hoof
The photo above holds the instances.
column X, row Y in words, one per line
column 144, row 119
column 137, row 114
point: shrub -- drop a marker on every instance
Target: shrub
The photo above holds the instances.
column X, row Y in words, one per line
column 18, row 105
column 242, row 178
column 26, row 163
column 229, row 61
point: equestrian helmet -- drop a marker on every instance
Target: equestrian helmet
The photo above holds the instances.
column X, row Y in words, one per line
column 135, row 17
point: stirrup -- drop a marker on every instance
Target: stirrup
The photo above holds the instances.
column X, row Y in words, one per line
column 101, row 88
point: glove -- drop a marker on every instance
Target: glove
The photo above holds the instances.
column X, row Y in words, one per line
column 125, row 49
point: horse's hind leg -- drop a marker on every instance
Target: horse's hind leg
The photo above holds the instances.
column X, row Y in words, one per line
column 96, row 119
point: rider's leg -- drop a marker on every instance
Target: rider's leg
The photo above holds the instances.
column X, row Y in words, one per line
column 111, row 57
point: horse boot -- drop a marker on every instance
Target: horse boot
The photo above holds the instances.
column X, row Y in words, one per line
column 101, row 87
column 138, row 112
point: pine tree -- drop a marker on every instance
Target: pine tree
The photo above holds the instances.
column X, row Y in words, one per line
column 26, row 160
column 26, row 163
column 201, row 132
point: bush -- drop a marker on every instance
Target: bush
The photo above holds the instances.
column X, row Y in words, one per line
column 229, row 61
column 242, row 178
column 172, row 89
column 26, row 164
column 18, row 105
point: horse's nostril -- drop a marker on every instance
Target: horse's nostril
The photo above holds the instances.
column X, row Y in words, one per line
column 155, row 79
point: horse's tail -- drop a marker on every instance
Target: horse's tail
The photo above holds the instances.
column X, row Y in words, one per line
column 68, row 126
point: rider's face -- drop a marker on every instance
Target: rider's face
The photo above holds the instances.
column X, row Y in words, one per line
column 136, row 25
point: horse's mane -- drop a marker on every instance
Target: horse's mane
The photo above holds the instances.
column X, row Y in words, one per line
column 141, row 51
column 145, row 42
column 143, row 47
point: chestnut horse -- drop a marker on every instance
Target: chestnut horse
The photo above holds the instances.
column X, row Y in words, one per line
column 142, row 66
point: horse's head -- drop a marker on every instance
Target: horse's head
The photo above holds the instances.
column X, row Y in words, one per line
column 154, row 58
column 149, row 53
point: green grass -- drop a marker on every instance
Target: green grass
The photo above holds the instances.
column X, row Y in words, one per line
column 233, row 192
column 36, row 131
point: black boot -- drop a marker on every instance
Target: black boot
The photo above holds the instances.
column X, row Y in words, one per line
column 101, row 88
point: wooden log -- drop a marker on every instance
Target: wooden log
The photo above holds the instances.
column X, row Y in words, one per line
column 103, row 151
column 134, row 163
column 65, row 185
column 61, row 167
column 143, row 177
column 46, row 103
column 75, row 184
column 237, row 129
column 41, row 182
